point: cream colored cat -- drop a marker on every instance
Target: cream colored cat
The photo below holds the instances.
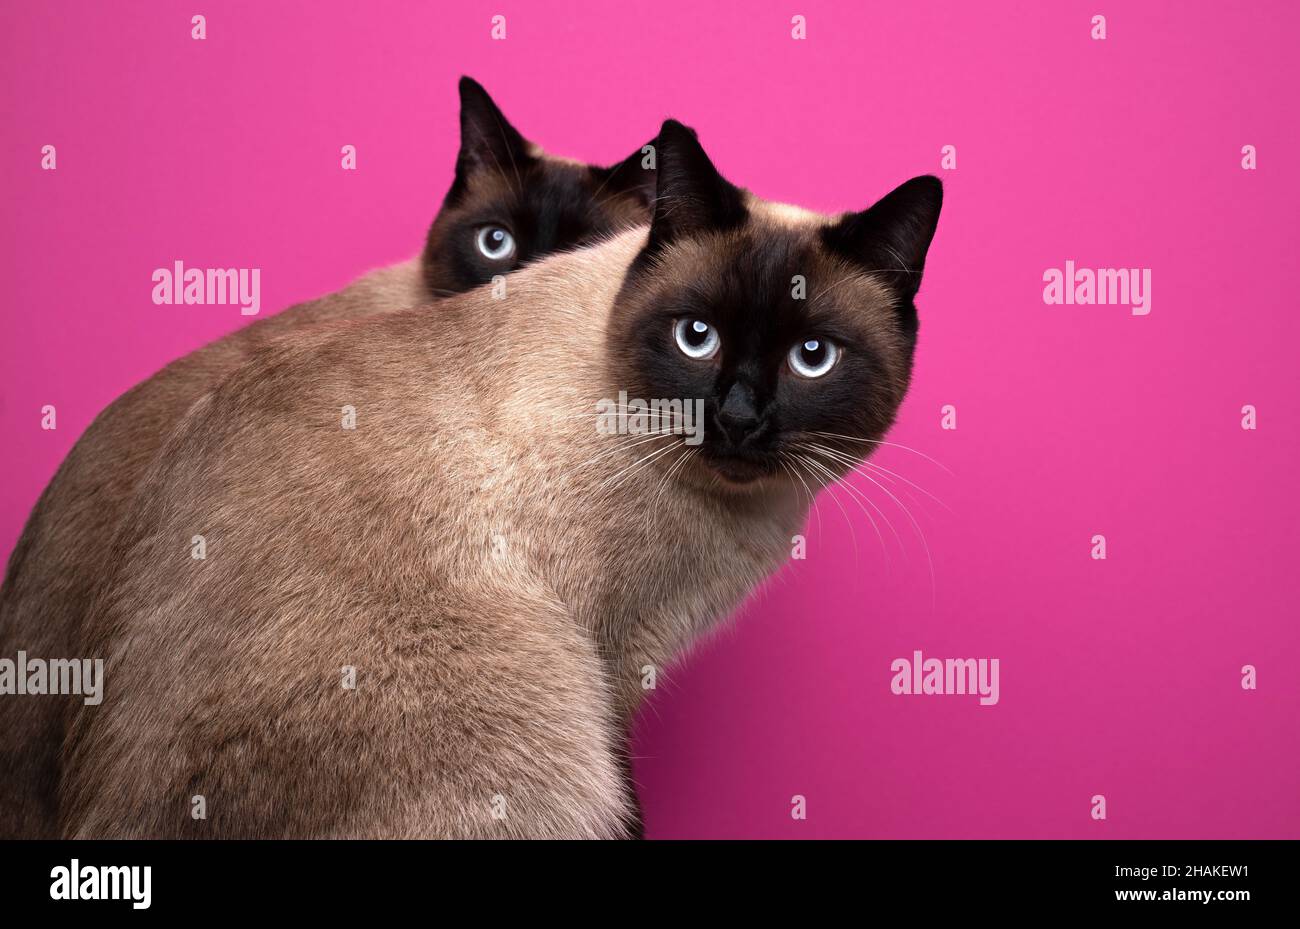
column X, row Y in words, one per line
column 509, row 205
column 433, row 624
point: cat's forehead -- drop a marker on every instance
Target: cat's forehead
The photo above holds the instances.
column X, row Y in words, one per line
column 531, row 188
column 535, row 151
column 518, row 180
column 776, row 271
column 785, row 215
column 776, row 243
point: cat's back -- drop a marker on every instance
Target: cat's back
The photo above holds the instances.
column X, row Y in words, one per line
column 325, row 481
column 314, row 457
column 64, row 548
column 66, row 533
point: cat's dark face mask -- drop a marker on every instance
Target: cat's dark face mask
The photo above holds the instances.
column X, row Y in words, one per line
column 794, row 331
column 511, row 204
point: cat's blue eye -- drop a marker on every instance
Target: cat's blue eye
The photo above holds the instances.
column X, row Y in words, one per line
column 696, row 339
column 813, row 357
column 495, row 243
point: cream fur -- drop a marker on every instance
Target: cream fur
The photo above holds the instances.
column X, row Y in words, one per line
column 481, row 675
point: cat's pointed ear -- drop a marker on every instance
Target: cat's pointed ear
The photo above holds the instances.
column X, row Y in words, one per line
column 891, row 238
column 690, row 195
column 487, row 140
column 634, row 175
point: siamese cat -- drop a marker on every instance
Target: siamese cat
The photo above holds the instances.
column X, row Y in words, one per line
column 434, row 623
column 509, row 205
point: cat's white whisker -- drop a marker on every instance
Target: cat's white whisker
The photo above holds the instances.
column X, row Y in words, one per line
column 876, row 467
column 786, row 468
column 619, row 446
column 818, row 449
column 893, row 530
column 857, row 497
column 853, row 536
column 622, row 476
column 856, row 464
column 850, row 438
column 665, row 482
column 920, row 534
column 812, row 497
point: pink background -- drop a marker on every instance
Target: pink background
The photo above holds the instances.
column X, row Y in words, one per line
column 1118, row 677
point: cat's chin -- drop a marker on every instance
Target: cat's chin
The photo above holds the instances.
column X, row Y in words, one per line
column 738, row 473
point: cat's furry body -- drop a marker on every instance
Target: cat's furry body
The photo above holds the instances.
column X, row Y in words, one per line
column 495, row 597
column 422, row 501
column 64, row 550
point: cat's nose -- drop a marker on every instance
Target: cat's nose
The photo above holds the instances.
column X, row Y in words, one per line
column 738, row 416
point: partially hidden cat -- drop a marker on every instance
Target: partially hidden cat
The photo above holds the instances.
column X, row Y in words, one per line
column 434, row 623
column 509, row 204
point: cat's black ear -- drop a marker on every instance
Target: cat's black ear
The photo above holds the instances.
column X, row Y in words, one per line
column 690, row 195
column 634, row 175
column 891, row 238
column 487, row 140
